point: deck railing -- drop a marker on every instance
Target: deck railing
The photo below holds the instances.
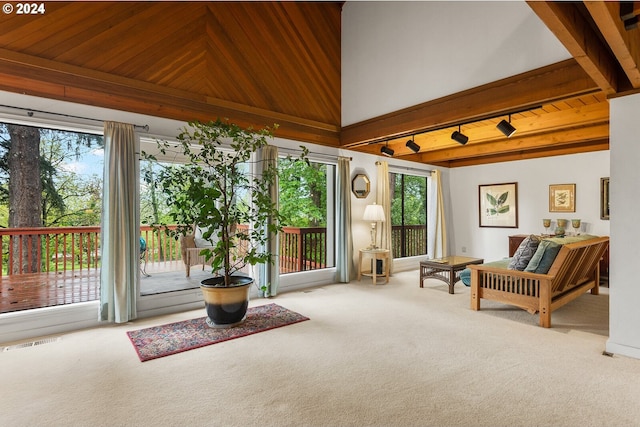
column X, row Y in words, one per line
column 62, row 249
column 409, row 240
column 303, row 249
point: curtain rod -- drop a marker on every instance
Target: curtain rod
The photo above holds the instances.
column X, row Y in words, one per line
column 311, row 153
column 31, row 111
column 407, row 168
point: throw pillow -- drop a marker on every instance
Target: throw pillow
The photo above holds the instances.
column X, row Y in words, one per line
column 537, row 256
column 548, row 257
column 465, row 276
column 199, row 239
column 524, row 253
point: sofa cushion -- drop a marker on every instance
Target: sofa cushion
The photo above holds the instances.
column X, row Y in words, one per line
column 543, row 247
column 465, row 275
column 543, row 258
column 524, row 253
column 571, row 239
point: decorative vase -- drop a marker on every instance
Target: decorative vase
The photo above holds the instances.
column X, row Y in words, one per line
column 226, row 306
column 561, row 224
column 575, row 223
column 546, row 223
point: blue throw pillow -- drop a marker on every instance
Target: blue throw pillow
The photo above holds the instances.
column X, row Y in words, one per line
column 465, row 276
column 537, row 257
column 548, row 257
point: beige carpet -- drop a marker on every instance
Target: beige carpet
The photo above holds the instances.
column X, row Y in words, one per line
column 386, row 355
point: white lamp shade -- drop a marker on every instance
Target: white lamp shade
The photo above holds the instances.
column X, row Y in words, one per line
column 373, row 213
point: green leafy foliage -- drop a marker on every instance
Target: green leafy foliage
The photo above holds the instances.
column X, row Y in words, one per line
column 68, row 198
column 303, row 193
column 218, row 190
column 409, row 199
column 497, row 203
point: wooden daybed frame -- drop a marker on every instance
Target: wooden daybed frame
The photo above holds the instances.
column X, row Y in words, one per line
column 574, row 271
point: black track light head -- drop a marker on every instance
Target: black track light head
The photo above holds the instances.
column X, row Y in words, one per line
column 413, row 146
column 459, row 137
column 387, row 151
column 506, row 128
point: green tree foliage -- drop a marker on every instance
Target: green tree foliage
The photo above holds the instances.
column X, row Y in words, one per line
column 409, row 196
column 68, row 198
column 154, row 208
column 303, row 193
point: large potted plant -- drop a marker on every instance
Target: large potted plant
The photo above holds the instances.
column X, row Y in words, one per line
column 219, row 191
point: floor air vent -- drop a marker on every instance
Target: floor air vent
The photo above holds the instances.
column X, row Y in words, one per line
column 32, row 343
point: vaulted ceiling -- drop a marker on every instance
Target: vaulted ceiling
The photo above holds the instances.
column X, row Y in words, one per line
column 259, row 63
column 256, row 63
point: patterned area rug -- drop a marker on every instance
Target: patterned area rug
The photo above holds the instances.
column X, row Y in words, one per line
column 159, row 341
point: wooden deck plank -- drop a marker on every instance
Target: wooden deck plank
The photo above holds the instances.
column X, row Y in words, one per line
column 38, row 290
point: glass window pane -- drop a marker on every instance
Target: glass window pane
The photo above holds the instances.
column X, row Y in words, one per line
column 306, row 200
column 408, row 214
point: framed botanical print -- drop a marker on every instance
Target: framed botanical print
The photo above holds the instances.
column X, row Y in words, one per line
column 498, row 205
column 604, row 198
column 562, row 198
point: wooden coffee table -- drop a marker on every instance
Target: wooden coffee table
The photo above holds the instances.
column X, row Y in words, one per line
column 446, row 269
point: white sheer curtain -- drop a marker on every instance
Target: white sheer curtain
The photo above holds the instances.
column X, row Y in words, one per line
column 269, row 274
column 437, row 227
column 383, row 197
column 344, row 239
column 120, row 249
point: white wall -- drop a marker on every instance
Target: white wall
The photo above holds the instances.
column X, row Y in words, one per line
column 396, row 54
column 533, row 178
column 624, row 315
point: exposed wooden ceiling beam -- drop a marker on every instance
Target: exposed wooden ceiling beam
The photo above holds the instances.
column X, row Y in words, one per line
column 528, row 90
column 538, row 122
column 625, row 44
column 584, row 147
column 571, row 27
column 549, row 140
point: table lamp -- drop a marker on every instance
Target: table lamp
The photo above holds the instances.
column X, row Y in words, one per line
column 373, row 213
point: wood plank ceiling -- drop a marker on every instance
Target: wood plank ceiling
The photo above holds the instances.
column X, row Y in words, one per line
column 259, row 63
column 256, row 63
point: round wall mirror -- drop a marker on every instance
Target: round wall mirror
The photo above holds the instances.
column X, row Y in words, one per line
column 361, row 185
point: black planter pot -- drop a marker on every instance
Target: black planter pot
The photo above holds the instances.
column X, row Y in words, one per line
column 226, row 306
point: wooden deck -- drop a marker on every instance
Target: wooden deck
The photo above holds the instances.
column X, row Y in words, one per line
column 38, row 290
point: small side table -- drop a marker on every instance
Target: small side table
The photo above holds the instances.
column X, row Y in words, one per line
column 374, row 254
column 446, row 269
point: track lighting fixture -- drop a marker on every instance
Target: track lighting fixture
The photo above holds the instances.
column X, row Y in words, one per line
column 412, row 145
column 506, row 128
column 459, row 137
column 387, row 151
column 628, row 15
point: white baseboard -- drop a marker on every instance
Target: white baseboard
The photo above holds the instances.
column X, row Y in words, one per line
column 21, row 325
column 623, row 350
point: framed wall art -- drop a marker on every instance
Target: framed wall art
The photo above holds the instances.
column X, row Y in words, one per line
column 604, row 198
column 562, row 198
column 498, row 205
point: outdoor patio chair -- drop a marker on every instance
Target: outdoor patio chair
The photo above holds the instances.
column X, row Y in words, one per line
column 143, row 257
column 191, row 253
